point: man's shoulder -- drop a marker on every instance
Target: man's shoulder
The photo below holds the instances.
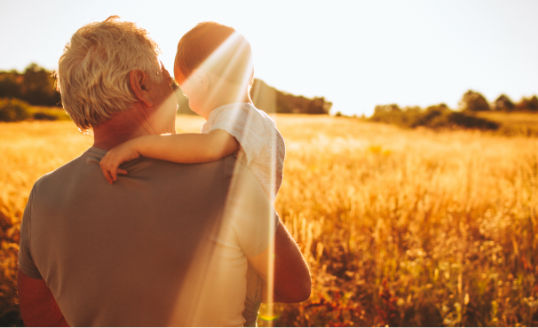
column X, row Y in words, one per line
column 153, row 168
column 60, row 174
column 82, row 177
column 89, row 162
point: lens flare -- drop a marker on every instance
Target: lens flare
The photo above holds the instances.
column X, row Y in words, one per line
column 202, row 275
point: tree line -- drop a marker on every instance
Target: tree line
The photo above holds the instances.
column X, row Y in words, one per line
column 475, row 102
column 441, row 116
column 272, row 100
column 36, row 86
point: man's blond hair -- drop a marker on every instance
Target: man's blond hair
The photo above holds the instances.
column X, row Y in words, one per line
column 93, row 71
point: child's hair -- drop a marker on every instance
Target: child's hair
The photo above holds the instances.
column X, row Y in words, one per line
column 215, row 48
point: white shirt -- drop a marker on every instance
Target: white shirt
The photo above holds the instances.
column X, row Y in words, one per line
column 261, row 143
column 263, row 150
column 222, row 289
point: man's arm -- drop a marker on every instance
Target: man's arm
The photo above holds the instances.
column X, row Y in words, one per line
column 291, row 277
column 267, row 244
column 38, row 307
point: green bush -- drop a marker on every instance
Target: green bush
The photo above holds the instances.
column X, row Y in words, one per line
column 49, row 114
column 40, row 116
column 471, row 122
column 12, row 110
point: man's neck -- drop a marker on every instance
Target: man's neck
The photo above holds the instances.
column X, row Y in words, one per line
column 121, row 127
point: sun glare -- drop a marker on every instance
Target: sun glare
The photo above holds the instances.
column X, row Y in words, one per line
column 227, row 80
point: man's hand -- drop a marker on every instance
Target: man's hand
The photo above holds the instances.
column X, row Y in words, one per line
column 114, row 157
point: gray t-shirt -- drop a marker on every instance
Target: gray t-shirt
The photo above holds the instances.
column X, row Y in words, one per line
column 165, row 245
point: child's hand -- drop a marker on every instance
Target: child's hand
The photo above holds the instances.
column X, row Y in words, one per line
column 114, row 157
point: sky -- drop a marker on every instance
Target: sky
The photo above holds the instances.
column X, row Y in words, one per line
column 357, row 54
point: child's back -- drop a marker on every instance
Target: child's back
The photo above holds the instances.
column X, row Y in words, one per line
column 261, row 143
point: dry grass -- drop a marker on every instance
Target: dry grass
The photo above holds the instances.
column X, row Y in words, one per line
column 400, row 227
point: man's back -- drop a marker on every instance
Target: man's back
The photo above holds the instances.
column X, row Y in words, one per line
column 120, row 254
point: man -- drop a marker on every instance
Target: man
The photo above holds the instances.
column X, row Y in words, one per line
column 169, row 244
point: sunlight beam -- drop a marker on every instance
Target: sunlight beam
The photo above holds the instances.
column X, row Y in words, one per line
column 223, row 77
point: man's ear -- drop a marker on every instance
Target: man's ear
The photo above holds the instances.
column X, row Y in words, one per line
column 138, row 81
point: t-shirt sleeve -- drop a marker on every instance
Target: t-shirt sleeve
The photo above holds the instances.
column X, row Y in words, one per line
column 254, row 218
column 248, row 127
column 26, row 262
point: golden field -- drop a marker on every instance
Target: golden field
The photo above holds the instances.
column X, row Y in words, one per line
column 399, row 227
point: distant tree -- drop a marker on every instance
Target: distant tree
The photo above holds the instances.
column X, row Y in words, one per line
column 435, row 117
column 38, row 86
column 10, row 87
column 382, row 110
column 326, row 105
column 318, row 106
column 272, row 100
column 473, row 101
column 285, row 103
column 530, row 104
column 35, row 86
column 503, row 103
column 432, row 116
column 264, row 96
column 391, row 113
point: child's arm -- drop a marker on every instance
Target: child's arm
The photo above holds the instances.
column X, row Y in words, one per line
column 179, row 148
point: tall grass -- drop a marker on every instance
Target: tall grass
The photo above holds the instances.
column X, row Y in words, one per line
column 412, row 227
column 399, row 227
